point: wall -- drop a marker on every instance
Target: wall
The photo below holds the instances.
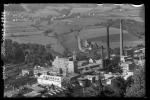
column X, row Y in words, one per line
column 71, row 67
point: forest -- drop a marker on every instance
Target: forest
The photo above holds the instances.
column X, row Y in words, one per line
column 15, row 53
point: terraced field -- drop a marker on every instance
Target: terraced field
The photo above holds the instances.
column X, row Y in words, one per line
column 64, row 19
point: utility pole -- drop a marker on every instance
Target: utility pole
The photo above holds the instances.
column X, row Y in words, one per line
column 121, row 39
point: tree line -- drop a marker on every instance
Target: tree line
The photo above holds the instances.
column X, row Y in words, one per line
column 14, row 53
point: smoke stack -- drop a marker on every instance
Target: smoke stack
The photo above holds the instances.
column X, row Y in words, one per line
column 108, row 53
column 102, row 52
column 102, row 56
column 121, row 39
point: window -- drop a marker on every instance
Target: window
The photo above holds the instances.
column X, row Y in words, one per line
column 48, row 73
column 39, row 74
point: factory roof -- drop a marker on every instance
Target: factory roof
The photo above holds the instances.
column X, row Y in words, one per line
column 65, row 59
column 47, row 69
column 139, row 50
column 32, row 94
column 72, row 75
column 35, row 87
column 89, row 65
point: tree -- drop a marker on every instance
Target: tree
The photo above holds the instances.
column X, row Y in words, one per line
column 8, row 52
column 137, row 89
column 140, row 46
column 26, row 58
column 129, row 81
column 116, row 89
column 69, row 92
column 118, row 85
column 48, row 47
column 19, row 55
column 108, row 91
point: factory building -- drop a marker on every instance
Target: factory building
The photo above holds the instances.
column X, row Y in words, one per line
column 49, row 80
column 64, row 64
column 61, row 69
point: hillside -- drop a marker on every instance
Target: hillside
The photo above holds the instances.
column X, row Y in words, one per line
column 12, row 7
column 57, row 24
column 116, row 38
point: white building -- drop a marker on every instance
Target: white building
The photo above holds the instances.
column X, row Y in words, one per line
column 99, row 61
column 49, row 80
column 107, row 78
column 128, row 75
column 109, row 75
column 108, row 81
column 90, row 77
column 46, row 71
column 91, row 61
column 126, row 58
column 142, row 50
column 126, row 72
column 25, row 72
column 140, row 55
column 125, row 68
